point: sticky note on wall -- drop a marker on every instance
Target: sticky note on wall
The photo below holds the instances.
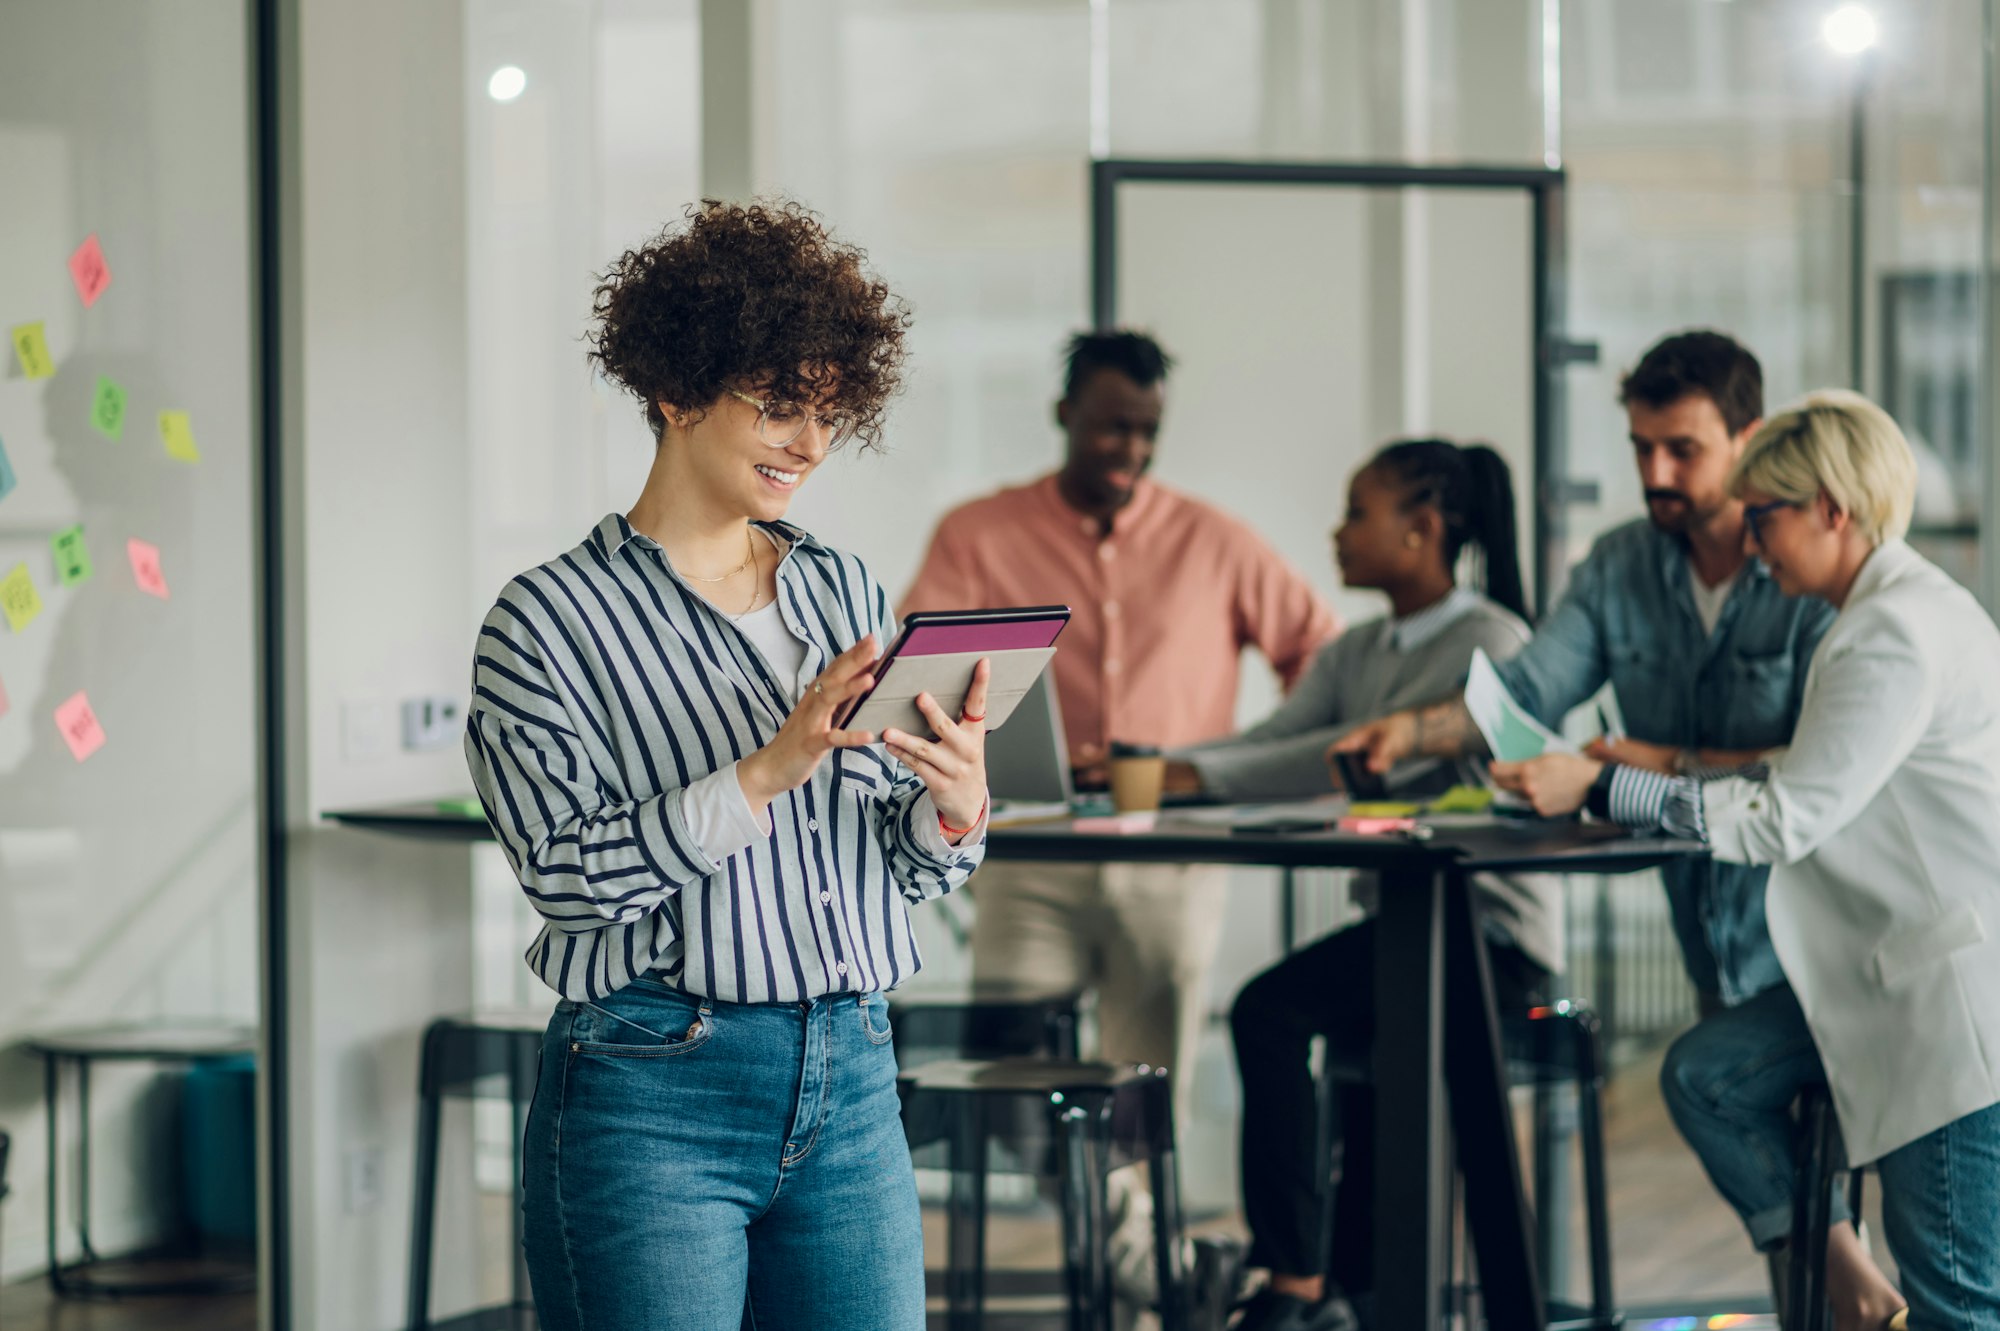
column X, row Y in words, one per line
column 79, row 726
column 146, row 567
column 107, row 408
column 89, row 271
column 72, row 556
column 7, row 481
column 5, row 705
column 31, row 348
column 177, row 433
column 19, row 601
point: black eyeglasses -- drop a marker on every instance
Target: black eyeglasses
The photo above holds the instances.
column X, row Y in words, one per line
column 1754, row 515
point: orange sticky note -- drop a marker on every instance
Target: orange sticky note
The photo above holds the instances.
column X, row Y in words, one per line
column 177, row 433
column 31, row 348
column 79, row 727
column 89, row 271
column 146, row 567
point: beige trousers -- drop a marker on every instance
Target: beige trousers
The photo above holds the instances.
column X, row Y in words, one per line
column 1142, row 936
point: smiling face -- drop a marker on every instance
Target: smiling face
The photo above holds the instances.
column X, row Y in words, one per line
column 736, row 472
column 1684, row 451
column 1112, row 425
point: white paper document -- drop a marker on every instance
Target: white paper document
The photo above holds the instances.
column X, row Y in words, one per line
column 1512, row 734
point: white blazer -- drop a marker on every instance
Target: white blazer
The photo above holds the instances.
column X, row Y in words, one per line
column 1883, row 822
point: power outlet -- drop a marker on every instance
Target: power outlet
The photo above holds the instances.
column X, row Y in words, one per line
column 432, row 723
column 364, row 1179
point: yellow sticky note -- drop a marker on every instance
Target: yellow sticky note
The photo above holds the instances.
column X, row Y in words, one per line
column 1463, row 799
column 1382, row 809
column 177, row 433
column 31, row 348
column 19, row 601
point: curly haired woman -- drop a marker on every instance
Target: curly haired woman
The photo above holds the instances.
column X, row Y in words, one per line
column 724, row 876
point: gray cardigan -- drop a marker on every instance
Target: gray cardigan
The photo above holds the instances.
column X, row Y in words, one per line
column 1372, row 669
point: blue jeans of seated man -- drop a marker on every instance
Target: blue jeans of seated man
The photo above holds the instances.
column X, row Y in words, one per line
column 1730, row 1083
column 684, row 1158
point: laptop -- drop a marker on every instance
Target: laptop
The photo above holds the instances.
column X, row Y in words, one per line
column 1027, row 760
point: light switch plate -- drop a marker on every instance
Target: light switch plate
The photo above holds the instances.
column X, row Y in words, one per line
column 433, row 722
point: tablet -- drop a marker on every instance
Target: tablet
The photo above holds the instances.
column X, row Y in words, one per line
column 936, row 652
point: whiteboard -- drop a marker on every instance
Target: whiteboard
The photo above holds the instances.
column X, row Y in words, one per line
column 127, row 878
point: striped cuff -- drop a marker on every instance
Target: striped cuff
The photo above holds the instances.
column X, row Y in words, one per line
column 1644, row 800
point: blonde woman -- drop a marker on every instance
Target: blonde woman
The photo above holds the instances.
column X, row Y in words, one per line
column 1882, row 820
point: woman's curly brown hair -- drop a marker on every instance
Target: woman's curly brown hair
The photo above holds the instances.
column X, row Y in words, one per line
column 750, row 295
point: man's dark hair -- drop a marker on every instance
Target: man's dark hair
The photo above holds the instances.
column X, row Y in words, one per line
column 1699, row 361
column 1133, row 354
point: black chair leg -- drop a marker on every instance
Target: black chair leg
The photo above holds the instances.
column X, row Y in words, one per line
column 1164, row 1171
column 1812, row 1209
column 1080, row 1237
column 1596, row 1200
column 423, row 1211
column 965, row 1227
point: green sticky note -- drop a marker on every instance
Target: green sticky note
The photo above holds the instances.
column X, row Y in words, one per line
column 1463, row 799
column 468, row 808
column 107, row 408
column 72, row 555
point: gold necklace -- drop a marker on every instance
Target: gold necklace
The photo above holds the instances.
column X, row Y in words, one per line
column 756, row 584
column 749, row 553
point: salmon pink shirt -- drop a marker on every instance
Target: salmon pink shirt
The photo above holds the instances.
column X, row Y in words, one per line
column 1162, row 606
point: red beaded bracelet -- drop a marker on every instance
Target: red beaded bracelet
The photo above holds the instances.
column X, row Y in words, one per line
column 951, row 831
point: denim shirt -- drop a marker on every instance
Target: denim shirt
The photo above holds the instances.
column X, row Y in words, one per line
column 1628, row 616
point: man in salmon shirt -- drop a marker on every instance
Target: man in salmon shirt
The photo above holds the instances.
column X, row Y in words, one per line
column 1165, row 593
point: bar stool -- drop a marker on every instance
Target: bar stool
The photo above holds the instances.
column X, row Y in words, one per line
column 1070, row 1121
column 1546, row 1046
column 459, row 1055
column 1821, row 1160
column 982, row 1021
column 169, row 1044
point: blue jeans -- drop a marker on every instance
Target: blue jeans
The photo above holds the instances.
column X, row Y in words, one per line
column 1730, row 1084
column 685, row 1158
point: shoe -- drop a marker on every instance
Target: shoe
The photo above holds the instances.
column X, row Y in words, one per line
column 1214, row 1280
column 1272, row 1311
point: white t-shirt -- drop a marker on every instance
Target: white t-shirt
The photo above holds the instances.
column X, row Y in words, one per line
column 715, row 808
column 1708, row 601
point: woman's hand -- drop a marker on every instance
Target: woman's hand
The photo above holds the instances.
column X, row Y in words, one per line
column 1634, row 753
column 953, row 767
column 808, row 734
column 1555, row 783
column 1383, row 743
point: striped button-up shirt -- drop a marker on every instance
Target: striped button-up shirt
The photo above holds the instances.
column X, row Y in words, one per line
column 603, row 688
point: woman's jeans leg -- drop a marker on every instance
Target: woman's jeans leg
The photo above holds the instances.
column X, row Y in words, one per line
column 1941, row 1214
column 683, row 1156
column 1730, row 1084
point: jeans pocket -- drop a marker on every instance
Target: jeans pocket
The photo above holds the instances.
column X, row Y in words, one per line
column 874, row 1009
column 641, row 1021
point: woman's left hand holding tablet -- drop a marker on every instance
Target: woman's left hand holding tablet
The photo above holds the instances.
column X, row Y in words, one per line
column 952, row 767
column 808, row 734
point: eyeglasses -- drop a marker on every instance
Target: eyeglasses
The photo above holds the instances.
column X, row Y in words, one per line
column 779, row 423
column 1754, row 515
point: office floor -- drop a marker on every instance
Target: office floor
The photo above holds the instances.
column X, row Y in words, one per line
column 1674, row 1241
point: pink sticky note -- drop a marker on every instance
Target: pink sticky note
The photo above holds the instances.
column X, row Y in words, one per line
column 79, row 727
column 146, row 567
column 4, row 704
column 89, row 271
